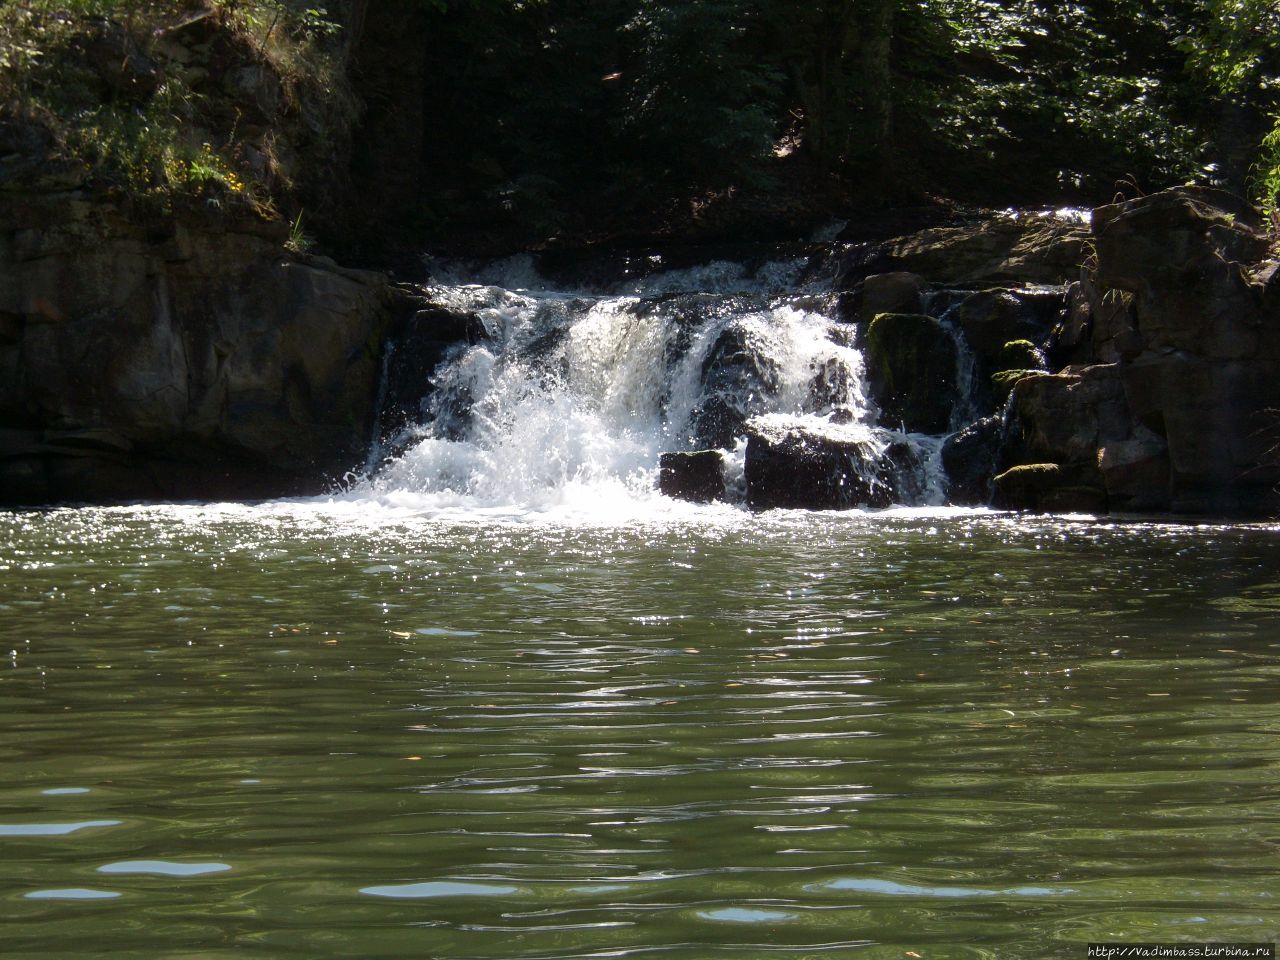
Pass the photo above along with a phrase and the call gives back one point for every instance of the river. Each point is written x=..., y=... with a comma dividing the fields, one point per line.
x=346, y=728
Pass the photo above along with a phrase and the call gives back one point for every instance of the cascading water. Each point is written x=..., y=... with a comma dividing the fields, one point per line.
x=564, y=401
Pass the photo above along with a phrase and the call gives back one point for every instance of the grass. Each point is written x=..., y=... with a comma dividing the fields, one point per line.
x=121, y=99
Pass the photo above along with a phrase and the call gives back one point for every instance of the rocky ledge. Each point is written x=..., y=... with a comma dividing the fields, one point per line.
x=1172, y=399
x=183, y=356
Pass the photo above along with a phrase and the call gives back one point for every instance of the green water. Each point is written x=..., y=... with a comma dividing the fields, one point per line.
x=299, y=731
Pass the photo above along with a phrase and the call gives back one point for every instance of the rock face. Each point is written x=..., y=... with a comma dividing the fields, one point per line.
x=184, y=357
x=1177, y=402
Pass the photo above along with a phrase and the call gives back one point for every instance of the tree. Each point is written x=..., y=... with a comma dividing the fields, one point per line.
x=1239, y=53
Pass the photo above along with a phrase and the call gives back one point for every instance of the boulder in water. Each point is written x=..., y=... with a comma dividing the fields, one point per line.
x=992, y=318
x=697, y=476
x=796, y=466
x=911, y=366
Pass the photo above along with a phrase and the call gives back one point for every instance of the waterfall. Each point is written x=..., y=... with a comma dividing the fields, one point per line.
x=566, y=399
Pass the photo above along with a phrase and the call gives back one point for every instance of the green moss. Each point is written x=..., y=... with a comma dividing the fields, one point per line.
x=1003, y=382
x=1021, y=355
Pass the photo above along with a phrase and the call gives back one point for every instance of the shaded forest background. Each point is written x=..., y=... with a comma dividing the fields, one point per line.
x=489, y=125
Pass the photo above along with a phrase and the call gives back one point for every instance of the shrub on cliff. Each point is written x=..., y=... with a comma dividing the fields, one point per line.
x=169, y=101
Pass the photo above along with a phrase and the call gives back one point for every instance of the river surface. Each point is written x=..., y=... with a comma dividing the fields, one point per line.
x=350, y=729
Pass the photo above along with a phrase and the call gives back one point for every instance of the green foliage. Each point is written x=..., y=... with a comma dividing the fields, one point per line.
x=96, y=77
x=1239, y=55
x=698, y=107
x=299, y=241
x=1267, y=187
x=542, y=114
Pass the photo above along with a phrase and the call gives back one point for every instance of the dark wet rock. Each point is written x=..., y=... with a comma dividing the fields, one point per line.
x=1182, y=415
x=911, y=366
x=1183, y=253
x=829, y=386
x=969, y=458
x=1136, y=471
x=1003, y=382
x=423, y=338
x=1021, y=355
x=697, y=476
x=902, y=473
x=992, y=318
x=1214, y=417
x=1017, y=359
x=736, y=378
x=799, y=468
x=1066, y=417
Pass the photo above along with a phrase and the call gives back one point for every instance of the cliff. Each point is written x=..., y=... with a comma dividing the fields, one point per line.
x=182, y=356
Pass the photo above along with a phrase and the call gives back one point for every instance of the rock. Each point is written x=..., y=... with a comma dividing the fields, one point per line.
x=24, y=481
x=1182, y=254
x=1017, y=359
x=1024, y=249
x=969, y=457
x=1063, y=420
x=120, y=65
x=1072, y=339
x=736, y=377
x=1065, y=417
x=1212, y=416
x=896, y=292
x=1045, y=487
x=1021, y=355
x=696, y=476
x=829, y=387
x=1135, y=472
x=1185, y=312
x=992, y=318
x=233, y=353
x=798, y=467
x=911, y=366
x=256, y=88
x=1003, y=382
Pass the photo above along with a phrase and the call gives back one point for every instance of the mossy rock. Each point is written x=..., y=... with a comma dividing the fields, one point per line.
x=911, y=366
x=1046, y=486
x=1021, y=355
x=1002, y=383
